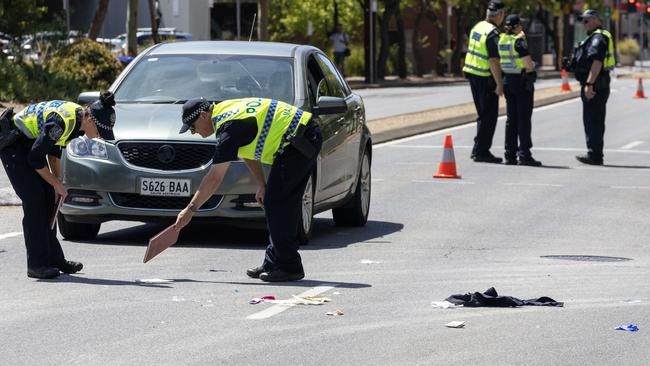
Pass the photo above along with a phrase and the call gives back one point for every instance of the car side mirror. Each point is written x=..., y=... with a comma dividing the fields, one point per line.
x=87, y=98
x=330, y=105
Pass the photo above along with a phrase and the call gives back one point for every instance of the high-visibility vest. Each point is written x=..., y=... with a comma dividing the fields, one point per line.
x=31, y=120
x=510, y=60
x=610, y=60
x=477, y=58
x=276, y=123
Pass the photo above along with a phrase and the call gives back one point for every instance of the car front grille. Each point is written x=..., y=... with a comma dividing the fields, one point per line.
x=166, y=156
x=134, y=200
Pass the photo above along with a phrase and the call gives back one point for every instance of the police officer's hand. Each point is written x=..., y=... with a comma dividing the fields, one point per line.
x=589, y=92
x=259, y=195
x=499, y=90
x=60, y=190
x=184, y=217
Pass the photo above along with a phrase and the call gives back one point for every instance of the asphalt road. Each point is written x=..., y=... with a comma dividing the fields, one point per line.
x=426, y=239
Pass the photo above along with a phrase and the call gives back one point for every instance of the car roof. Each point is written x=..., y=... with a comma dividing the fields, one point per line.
x=273, y=49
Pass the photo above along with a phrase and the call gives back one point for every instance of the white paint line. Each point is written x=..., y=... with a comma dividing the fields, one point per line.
x=534, y=184
x=437, y=181
x=629, y=187
x=277, y=309
x=558, y=149
x=632, y=145
x=455, y=128
x=10, y=235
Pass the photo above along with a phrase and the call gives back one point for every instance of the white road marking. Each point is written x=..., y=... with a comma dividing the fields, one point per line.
x=629, y=187
x=277, y=309
x=534, y=184
x=560, y=149
x=470, y=124
x=437, y=181
x=632, y=145
x=10, y=235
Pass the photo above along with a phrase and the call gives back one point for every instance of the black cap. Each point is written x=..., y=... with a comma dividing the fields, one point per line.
x=588, y=14
x=512, y=20
x=191, y=110
x=495, y=5
x=103, y=114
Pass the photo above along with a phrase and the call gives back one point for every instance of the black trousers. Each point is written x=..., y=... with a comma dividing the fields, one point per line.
x=43, y=247
x=519, y=102
x=487, y=108
x=283, y=203
x=593, y=118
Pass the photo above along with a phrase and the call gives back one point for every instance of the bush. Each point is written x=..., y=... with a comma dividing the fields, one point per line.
x=355, y=63
x=31, y=82
x=89, y=64
x=629, y=47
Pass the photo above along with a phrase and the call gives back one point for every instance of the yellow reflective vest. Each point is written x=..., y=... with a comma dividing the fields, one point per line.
x=510, y=60
x=276, y=123
x=477, y=58
x=610, y=60
x=31, y=120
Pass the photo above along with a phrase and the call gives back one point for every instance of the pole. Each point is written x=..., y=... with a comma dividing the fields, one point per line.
x=66, y=6
x=449, y=38
x=373, y=10
x=238, y=6
x=642, y=18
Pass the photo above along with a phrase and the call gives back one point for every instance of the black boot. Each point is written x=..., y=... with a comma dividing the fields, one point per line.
x=70, y=267
x=255, y=272
x=586, y=159
x=43, y=272
x=529, y=161
x=281, y=276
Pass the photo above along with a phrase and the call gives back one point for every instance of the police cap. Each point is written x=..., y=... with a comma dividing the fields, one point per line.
x=512, y=20
x=495, y=5
x=588, y=14
x=103, y=115
x=191, y=110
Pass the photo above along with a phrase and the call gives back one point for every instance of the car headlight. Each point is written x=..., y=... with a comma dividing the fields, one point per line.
x=83, y=147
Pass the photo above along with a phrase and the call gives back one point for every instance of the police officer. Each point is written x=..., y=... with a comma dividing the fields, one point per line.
x=39, y=133
x=484, y=74
x=519, y=78
x=593, y=60
x=260, y=131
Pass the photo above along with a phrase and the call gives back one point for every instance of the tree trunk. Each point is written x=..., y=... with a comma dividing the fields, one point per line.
x=461, y=25
x=262, y=20
x=384, y=44
x=98, y=20
x=155, y=21
x=401, y=43
x=132, y=28
x=418, y=68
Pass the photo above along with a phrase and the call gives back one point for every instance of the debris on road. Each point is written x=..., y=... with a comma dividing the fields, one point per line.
x=455, y=324
x=153, y=280
x=628, y=327
x=630, y=301
x=297, y=300
x=257, y=300
x=490, y=298
x=178, y=299
x=444, y=305
x=219, y=270
x=336, y=293
x=334, y=313
x=368, y=261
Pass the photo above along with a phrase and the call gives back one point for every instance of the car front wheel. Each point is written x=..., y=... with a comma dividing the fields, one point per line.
x=355, y=212
x=306, y=213
x=77, y=231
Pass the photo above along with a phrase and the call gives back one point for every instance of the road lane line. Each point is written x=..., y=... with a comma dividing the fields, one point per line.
x=632, y=145
x=441, y=181
x=552, y=149
x=534, y=184
x=10, y=235
x=277, y=309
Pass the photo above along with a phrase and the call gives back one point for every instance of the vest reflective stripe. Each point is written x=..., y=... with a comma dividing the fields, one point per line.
x=276, y=121
x=477, y=58
x=31, y=120
x=511, y=62
x=610, y=60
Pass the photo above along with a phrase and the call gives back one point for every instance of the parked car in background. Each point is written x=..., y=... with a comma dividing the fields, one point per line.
x=150, y=171
x=144, y=37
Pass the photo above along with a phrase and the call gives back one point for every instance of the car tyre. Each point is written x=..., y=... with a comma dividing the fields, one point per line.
x=77, y=231
x=307, y=213
x=355, y=211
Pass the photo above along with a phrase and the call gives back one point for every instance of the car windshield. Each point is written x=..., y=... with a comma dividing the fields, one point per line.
x=177, y=78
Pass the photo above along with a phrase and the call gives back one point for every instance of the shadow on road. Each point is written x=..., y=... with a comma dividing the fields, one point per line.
x=325, y=235
x=555, y=167
x=626, y=166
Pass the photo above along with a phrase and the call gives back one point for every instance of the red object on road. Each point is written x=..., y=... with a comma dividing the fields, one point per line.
x=160, y=242
x=447, y=167
x=639, y=90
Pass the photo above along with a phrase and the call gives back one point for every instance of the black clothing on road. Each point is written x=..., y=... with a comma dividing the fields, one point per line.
x=490, y=298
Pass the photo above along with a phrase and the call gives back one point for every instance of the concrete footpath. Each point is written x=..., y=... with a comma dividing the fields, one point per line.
x=394, y=127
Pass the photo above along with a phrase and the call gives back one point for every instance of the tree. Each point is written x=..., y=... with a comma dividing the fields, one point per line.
x=155, y=20
x=392, y=12
x=98, y=20
x=19, y=18
x=132, y=27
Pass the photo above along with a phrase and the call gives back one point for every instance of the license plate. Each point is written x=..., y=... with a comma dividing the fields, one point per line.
x=166, y=187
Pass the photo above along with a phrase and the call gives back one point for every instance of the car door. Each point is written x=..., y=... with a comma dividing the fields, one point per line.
x=348, y=126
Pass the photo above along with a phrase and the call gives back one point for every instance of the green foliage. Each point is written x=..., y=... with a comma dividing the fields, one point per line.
x=87, y=63
x=31, y=82
x=22, y=17
x=629, y=47
x=355, y=64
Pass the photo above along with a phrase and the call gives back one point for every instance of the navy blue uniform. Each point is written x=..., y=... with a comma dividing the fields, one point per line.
x=519, y=98
x=486, y=102
x=20, y=161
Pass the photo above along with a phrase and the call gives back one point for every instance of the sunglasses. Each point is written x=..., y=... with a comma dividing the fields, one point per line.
x=585, y=21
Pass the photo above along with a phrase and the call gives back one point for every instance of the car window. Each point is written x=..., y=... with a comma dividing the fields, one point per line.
x=335, y=83
x=315, y=85
x=175, y=78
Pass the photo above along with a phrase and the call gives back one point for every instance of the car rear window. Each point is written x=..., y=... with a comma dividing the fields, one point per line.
x=176, y=78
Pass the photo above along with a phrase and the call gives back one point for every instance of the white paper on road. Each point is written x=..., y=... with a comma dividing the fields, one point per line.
x=445, y=305
x=278, y=308
x=369, y=261
x=455, y=324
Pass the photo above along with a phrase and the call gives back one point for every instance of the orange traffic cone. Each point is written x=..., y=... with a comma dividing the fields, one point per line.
x=639, y=90
x=565, y=82
x=447, y=167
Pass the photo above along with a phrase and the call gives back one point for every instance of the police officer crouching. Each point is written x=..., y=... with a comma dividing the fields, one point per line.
x=31, y=138
x=484, y=75
x=592, y=61
x=519, y=88
x=260, y=131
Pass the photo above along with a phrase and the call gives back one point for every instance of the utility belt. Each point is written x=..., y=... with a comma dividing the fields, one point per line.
x=303, y=139
x=9, y=134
